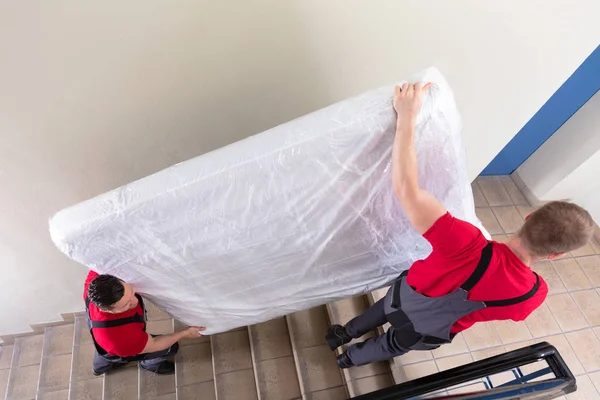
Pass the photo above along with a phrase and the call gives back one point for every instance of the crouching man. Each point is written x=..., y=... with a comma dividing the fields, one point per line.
x=116, y=319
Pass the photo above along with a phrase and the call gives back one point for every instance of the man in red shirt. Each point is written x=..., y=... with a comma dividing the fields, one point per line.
x=116, y=318
x=465, y=279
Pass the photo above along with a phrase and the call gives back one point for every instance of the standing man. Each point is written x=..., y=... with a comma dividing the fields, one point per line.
x=116, y=318
x=465, y=279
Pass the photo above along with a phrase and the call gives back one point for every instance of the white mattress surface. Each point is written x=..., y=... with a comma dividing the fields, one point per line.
x=297, y=216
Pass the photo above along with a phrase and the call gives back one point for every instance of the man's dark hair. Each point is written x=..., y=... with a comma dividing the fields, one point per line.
x=105, y=290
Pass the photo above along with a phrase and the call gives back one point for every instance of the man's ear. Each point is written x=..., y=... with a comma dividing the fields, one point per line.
x=555, y=256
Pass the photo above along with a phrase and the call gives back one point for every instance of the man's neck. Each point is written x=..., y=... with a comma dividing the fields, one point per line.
x=515, y=244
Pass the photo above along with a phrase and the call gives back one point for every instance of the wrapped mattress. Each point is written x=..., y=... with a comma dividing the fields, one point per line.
x=297, y=216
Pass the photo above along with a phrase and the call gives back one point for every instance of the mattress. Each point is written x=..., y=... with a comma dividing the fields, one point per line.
x=292, y=218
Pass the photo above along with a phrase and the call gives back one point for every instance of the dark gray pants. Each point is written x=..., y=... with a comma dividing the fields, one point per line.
x=149, y=361
x=378, y=348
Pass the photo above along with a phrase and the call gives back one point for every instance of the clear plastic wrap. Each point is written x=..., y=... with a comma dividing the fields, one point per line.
x=295, y=217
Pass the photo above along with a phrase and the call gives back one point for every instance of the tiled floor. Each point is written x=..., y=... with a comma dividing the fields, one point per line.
x=570, y=317
x=288, y=359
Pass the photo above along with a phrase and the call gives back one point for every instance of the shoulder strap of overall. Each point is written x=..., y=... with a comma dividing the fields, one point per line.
x=518, y=299
x=482, y=266
x=118, y=322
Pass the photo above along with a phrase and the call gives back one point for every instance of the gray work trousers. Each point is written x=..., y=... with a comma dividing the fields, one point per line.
x=149, y=361
x=378, y=348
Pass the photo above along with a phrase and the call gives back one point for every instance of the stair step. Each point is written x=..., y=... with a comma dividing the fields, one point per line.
x=232, y=361
x=366, y=378
x=194, y=369
x=6, y=355
x=25, y=367
x=90, y=389
x=57, y=354
x=152, y=385
x=319, y=376
x=273, y=359
x=58, y=395
x=122, y=383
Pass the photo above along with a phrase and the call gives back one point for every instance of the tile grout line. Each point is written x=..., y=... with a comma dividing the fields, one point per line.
x=253, y=359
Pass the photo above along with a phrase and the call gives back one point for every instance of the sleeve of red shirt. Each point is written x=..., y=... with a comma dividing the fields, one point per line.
x=533, y=303
x=121, y=340
x=451, y=237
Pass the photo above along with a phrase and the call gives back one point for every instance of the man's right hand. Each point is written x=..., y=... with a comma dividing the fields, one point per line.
x=194, y=332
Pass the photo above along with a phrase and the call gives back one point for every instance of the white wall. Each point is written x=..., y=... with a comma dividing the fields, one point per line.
x=567, y=165
x=96, y=94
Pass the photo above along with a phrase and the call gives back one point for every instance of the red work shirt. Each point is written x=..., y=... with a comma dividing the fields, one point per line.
x=125, y=340
x=457, y=247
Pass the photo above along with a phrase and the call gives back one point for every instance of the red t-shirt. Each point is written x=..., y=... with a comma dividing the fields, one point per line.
x=125, y=340
x=457, y=247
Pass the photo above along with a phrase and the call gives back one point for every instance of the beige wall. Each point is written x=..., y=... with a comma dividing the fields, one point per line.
x=96, y=94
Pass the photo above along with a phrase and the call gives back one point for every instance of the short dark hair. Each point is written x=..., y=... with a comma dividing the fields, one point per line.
x=105, y=290
x=557, y=227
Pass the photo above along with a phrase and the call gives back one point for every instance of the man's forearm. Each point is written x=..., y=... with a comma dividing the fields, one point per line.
x=405, y=174
x=163, y=342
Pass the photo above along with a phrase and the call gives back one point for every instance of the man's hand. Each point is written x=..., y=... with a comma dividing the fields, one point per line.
x=193, y=332
x=408, y=100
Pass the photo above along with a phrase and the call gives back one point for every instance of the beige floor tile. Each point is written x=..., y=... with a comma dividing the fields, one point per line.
x=547, y=271
x=571, y=274
x=512, y=332
x=482, y=335
x=83, y=356
x=23, y=383
x=489, y=221
x=371, y=384
x=4, y=375
x=237, y=385
x=509, y=218
x=30, y=350
x=585, y=390
x=121, y=384
x=519, y=345
x=591, y=267
x=587, y=348
x=179, y=326
x=566, y=312
x=203, y=391
x=194, y=364
x=59, y=340
x=154, y=313
x=595, y=243
x=525, y=211
x=270, y=340
x=342, y=311
x=161, y=327
x=566, y=351
x=513, y=191
x=277, y=379
x=58, y=395
x=458, y=346
x=500, y=238
x=90, y=389
x=478, y=196
x=153, y=385
x=588, y=302
x=338, y=393
x=55, y=373
x=318, y=369
x=453, y=361
x=231, y=352
x=413, y=371
x=82, y=333
x=6, y=355
x=494, y=191
x=372, y=369
x=487, y=353
x=595, y=378
x=308, y=327
x=541, y=322
x=413, y=357
x=586, y=250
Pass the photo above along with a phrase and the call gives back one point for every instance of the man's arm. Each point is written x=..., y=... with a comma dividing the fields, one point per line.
x=163, y=342
x=421, y=208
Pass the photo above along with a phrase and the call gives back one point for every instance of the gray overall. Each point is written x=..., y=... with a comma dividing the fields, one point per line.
x=104, y=362
x=419, y=322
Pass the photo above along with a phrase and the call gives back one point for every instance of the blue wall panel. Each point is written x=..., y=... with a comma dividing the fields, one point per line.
x=574, y=93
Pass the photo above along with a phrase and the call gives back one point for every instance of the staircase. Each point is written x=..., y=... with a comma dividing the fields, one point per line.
x=286, y=358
